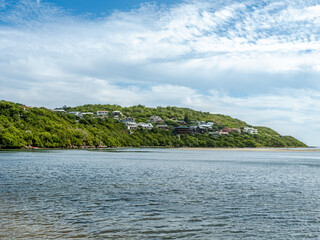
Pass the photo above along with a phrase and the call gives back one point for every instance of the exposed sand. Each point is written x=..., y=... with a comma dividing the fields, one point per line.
x=256, y=149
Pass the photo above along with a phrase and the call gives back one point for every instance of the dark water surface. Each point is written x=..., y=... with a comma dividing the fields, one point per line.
x=159, y=194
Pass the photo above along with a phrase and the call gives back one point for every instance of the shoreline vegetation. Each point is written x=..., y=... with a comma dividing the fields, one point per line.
x=112, y=126
x=256, y=149
x=262, y=149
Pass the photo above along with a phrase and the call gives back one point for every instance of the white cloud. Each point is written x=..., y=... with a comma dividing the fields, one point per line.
x=232, y=57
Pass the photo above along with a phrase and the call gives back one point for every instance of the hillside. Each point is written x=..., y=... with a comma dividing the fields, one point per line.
x=22, y=126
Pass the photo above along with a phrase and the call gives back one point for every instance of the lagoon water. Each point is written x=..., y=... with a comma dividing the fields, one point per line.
x=159, y=194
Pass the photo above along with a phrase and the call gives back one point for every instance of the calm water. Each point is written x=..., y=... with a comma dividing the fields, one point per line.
x=159, y=194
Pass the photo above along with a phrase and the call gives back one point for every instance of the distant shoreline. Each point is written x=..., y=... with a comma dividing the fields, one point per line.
x=254, y=149
x=308, y=149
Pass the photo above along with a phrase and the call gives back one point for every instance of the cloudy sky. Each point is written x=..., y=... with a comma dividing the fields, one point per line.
x=258, y=61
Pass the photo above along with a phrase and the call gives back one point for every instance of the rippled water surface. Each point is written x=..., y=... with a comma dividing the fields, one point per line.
x=159, y=194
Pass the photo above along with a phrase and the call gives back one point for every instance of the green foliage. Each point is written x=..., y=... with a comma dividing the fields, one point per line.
x=40, y=127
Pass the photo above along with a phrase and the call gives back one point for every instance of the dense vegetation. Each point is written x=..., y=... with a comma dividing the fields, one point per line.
x=41, y=127
x=142, y=113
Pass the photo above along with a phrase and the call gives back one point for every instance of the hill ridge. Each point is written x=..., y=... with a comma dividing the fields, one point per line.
x=22, y=127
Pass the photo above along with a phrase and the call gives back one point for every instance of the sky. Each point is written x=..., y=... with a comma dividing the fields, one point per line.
x=258, y=61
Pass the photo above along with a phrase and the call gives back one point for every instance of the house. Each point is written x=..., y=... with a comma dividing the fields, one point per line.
x=24, y=107
x=127, y=121
x=223, y=133
x=197, y=129
x=218, y=133
x=156, y=119
x=148, y=126
x=199, y=122
x=228, y=130
x=59, y=110
x=102, y=113
x=250, y=130
x=131, y=125
x=236, y=130
x=77, y=114
x=182, y=130
x=130, y=119
x=181, y=122
x=163, y=127
x=205, y=125
x=116, y=113
x=87, y=113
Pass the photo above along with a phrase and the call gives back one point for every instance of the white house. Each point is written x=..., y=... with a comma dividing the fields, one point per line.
x=250, y=130
x=204, y=124
x=77, y=114
x=102, y=113
x=148, y=126
x=56, y=110
x=87, y=113
x=132, y=125
x=116, y=113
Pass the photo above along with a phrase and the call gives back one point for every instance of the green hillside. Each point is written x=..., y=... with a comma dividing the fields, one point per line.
x=22, y=126
x=142, y=113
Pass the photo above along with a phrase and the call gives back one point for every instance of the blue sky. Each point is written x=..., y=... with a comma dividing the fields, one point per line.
x=257, y=61
x=98, y=8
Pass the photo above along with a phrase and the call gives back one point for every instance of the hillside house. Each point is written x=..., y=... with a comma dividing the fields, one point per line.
x=148, y=126
x=250, y=130
x=131, y=125
x=77, y=114
x=199, y=122
x=87, y=113
x=57, y=110
x=207, y=126
x=236, y=130
x=223, y=133
x=182, y=130
x=130, y=119
x=163, y=127
x=156, y=119
x=228, y=130
x=127, y=121
x=197, y=129
x=116, y=113
x=218, y=133
x=102, y=113
x=25, y=108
